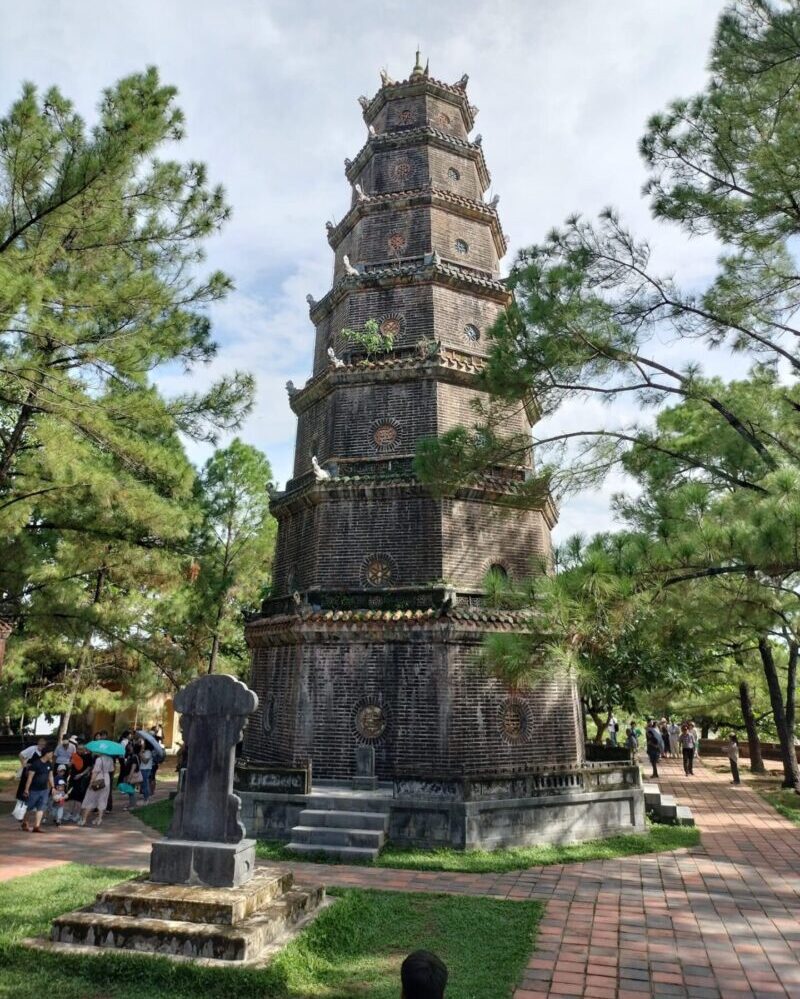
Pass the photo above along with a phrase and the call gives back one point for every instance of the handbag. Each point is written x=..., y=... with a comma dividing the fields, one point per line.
x=98, y=784
x=20, y=808
x=135, y=778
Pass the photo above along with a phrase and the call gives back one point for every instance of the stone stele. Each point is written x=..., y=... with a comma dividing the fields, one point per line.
x=206, y=844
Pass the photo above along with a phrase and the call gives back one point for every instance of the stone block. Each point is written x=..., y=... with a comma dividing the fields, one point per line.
x=193, y=862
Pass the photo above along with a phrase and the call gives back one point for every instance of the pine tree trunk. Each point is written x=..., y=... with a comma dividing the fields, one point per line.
x=791, y=689
x=756, y=760
x=791, y=768
x=212, y=659
x=86, y=654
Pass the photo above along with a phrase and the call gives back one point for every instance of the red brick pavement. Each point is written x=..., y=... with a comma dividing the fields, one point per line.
x=718, y=922
x=121, y=841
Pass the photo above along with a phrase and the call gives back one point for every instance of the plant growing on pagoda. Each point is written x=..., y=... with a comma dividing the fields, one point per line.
x=370, y=339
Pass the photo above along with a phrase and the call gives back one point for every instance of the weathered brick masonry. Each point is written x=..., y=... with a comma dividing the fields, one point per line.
x=376, y=623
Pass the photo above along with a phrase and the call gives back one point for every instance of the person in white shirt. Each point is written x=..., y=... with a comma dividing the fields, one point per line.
x=674, y=731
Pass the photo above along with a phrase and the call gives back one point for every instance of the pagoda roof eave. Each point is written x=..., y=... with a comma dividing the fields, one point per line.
x=310, y=492
x=447, y=365
x=424, y=270
x=453, y=93
x=437, y=197
x=434, y=136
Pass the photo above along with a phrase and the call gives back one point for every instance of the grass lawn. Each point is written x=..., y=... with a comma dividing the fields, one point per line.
x=658, y=838
x=9, y=765
x=353, y=949
x=784, y=801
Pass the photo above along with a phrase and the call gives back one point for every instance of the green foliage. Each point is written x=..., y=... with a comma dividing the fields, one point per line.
x=234, y=544
x=702, y=583
x=353, y=947
x=101, y=287
x=370, y=339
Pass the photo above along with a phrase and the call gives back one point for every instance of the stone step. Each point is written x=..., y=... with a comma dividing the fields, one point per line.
x=222, y=906
x=667, y=807
x=182, y=938
x=342, y=819
x=652, y=795
x=324, y=836
x=684, y=816
x=346, y=853
x=347, y=803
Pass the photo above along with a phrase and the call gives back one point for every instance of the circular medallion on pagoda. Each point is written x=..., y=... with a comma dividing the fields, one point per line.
x=405, y=116
x=443, y=119
x=377, y=571
x=396, y=242
x=453, y=174
x=462, y=246
x=391, y=326
x=369, y=720
x=385, y=435
x=515, y=721
x=471, y=332
x=401, y=169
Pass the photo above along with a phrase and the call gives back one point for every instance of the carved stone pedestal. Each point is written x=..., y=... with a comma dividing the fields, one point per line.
x=190, y=862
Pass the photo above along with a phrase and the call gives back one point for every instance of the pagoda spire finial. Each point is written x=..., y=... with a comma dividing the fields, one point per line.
x=417, y=70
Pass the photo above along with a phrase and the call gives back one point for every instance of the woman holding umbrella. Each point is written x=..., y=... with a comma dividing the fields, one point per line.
x=100, y=782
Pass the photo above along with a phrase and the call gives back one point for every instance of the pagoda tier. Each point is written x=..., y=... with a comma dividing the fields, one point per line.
x=417, y=253
x=372, y=634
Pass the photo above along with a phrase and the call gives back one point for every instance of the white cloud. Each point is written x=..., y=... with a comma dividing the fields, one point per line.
x=269, y=90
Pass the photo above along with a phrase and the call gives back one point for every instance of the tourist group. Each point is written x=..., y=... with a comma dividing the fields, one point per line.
x=72, y=781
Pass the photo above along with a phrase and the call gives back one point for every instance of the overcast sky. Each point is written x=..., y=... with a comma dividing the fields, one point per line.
x=269, y=90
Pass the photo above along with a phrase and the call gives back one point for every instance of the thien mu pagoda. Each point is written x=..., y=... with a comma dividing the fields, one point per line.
x=375, y=713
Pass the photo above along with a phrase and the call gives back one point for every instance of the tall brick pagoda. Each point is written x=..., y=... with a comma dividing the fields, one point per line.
x=372, y=635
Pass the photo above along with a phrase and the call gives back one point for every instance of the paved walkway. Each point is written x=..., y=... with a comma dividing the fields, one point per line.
x=121, y=841
x=718, y=922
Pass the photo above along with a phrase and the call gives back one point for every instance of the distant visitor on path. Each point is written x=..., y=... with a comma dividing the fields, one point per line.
x=423, y=976
x=654, y=744
x=674, y=731
x=731, y=750
x=38, y=785
x=99, y=787
x=687, y=742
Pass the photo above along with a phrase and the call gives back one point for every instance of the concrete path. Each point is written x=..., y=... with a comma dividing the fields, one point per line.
x=718, y=922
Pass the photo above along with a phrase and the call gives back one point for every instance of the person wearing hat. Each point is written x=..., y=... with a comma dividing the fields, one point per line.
x=59, y=794
x=64, y=751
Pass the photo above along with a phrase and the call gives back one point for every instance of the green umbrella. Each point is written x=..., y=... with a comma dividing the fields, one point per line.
x=105, y=747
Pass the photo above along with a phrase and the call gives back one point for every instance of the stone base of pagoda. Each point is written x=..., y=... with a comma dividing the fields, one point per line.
x=590, y=802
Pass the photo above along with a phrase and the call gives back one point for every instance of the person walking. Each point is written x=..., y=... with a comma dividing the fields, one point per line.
x=654, y=745
x=631, y=741
x=38, y=786
x=674, y=732
x=145, y=754
x=696, y=736
x=96, y=797
x=130, y=775
x=663, y=728
x=731, y=750
x=59, y=795
x=79, y=775
x=613, y=730
x=63, y=754
x=687, y=748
